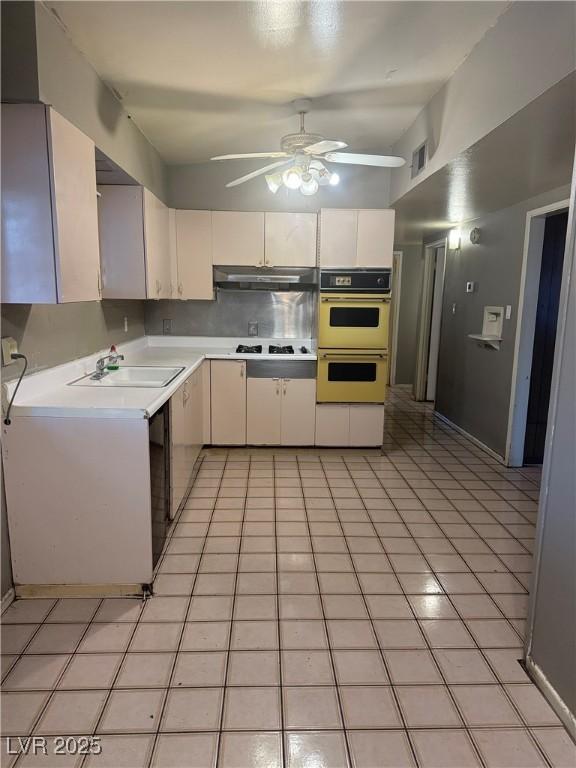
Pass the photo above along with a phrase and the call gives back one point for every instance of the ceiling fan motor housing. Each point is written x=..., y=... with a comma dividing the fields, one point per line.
x=297, y=142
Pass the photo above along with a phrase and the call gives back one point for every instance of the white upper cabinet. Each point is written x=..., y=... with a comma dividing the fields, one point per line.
x=157, y=242
x=121, y=242
x=193, y=250
x=338, y=237
x=290, y=239
x=356, y=238
x=375, y=244
x=135, y=247
x=238, y=238
x=49, y=211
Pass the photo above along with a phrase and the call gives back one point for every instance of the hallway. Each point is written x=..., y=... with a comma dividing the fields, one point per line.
x=314, y=609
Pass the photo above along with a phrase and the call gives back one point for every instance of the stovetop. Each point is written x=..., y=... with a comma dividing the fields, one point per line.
x=273, y=349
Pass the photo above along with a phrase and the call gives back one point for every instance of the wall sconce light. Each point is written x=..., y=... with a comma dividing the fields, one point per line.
x=454, y=238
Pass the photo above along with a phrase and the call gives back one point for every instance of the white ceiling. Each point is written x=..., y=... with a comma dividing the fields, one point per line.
x=204, y=78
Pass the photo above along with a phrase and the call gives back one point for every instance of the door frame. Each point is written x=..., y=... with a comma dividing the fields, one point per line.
x=395, y=314
x=525, y=329
x=426, y=298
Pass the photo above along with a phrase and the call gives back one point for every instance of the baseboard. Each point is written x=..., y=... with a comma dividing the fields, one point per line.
x=79, y=590
x=468, y=436
x=7, y=599
x=551, y=695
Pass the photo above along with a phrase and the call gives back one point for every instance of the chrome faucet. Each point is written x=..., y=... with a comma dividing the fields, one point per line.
x=101, y=365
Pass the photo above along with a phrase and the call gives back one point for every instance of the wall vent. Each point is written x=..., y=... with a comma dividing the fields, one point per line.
x=419, y=159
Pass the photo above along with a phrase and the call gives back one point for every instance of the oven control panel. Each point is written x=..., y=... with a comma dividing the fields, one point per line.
x=356, y=280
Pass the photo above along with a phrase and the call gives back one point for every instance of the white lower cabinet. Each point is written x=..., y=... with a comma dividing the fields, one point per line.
x=264, y=407
x=298, y=417
x=186, y=429
x=349, y=424
x=280, y=411
x=228, y=402
x=332, y=424
x=366, y=425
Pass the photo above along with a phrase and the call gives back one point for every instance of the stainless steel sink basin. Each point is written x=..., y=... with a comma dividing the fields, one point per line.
x=131, y=376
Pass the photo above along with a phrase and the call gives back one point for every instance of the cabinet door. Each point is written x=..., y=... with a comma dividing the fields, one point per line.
x=366, y=425
x=178, y=441
x=375, y=238
x=228, y=402
x=193, y=406
x=122, y=261
x=298, y=411
x=290, y=239
x=194, y=254
x=338, y=237
x=75, y=211
x=333, y=424
x=238, y=238
x=157, y=242
x=263, y=399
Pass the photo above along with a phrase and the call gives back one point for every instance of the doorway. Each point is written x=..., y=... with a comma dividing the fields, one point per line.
x=430, y=321
x=541, y=281
x=545, y=336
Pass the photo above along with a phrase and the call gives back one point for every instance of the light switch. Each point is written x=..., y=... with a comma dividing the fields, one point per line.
x=508, y=311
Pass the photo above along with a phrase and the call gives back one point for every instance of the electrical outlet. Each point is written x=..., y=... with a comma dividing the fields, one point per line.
x=166, y=326
x=252, y=328
x=508, y=314
x=470, y=286
x=9, y=348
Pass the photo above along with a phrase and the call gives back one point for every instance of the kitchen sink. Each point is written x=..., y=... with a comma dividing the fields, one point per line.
x=131, y=376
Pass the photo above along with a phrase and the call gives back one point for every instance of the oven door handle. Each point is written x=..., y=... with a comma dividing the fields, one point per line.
x=360, y=355
x=335, y=299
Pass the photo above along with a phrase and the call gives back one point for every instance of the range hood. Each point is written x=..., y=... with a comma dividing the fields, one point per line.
x=266, y=278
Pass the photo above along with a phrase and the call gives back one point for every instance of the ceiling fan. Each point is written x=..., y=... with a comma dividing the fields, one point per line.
x=302, y=155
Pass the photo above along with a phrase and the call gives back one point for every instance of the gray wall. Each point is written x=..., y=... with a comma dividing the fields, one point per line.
x=53, y=334
x=281, y=314
x=411, y=287
x=553, y=615
x=473, y=388
x=203, y=187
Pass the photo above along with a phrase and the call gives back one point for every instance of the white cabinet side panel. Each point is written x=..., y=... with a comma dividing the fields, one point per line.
x=28, y=272
x=78, y=500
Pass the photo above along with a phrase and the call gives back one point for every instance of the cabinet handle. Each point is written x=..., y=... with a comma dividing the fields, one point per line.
x=180, y=289
x=158, y=286
x=99, y=283
x=242, y=369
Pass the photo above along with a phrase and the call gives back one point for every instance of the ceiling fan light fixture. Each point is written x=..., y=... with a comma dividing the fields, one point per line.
x=274, y=181
x=309, y=187
x=334, y=179
x=292, y=177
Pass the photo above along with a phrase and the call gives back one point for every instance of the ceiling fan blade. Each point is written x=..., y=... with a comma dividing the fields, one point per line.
x=259, y=172
x=326, y=145
x=352, y=158
x=249, y=155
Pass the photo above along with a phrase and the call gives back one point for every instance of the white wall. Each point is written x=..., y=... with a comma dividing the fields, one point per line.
x=530, y=48
x=69, y=83
x=202, y=186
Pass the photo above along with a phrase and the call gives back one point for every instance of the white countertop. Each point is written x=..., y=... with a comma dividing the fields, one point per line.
x=47, y=393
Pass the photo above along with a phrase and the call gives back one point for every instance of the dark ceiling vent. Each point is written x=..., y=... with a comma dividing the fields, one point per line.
x=419, y=159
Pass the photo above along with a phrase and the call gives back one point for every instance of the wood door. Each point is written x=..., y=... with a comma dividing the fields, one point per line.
x=545, y=336
x=238, y=238
x=157, y=244
x=28, y=274
x=74, y=210
x=298, y=411
x=194, y=254
x=338, y=237
x=333, y=424
x=290, y=239
x=375, y=238
x=366, y=425
x=263, y=405
x=121, y=229
x=228, y=401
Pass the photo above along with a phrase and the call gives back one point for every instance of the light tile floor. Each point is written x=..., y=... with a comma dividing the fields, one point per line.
x=314, y=609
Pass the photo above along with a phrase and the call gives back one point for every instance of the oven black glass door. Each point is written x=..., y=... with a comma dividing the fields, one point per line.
x=354, y=317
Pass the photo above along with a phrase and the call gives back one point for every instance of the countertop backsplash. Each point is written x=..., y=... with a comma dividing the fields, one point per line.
x=279, y=315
